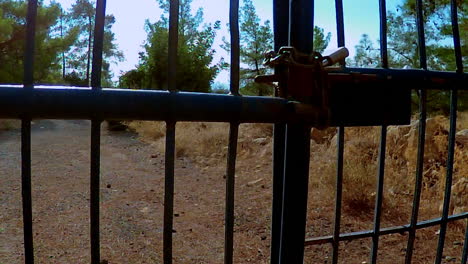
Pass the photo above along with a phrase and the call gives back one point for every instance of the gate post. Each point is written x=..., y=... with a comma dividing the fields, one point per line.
x=297, y=141
x=281, y=35
x=295, y=190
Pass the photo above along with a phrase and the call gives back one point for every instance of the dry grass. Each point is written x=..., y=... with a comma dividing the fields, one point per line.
x=206, y=143
x=132, y=202
x=360, y=167
x=9, y=124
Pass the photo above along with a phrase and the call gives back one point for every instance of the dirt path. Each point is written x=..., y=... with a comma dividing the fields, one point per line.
x=132, y=191
x=131, y=199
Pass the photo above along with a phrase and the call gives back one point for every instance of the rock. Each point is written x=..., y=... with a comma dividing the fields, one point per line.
x=252, y=183
x=462, y=137
x=322, y=136
x=458, y=199
x=436, y=139
x=450, y=259
x=116, y=125
x=463, y=132
x=261, y=141
x=460, y=196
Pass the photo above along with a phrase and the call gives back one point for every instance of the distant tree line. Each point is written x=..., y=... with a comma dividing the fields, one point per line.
x=64, y=43
x=196, y=68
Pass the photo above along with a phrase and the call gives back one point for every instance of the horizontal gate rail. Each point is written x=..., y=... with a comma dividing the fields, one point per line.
x=383, y=231
x=79, y=103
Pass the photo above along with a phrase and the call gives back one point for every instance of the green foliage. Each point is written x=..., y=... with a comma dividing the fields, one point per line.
x=402, y=37
x=48, y=45
x=403, y=48
x=255, y=40
x=220, y=88
x=320, y=40
x=133, y=79
x=195, y=71
x=78, y=59
x=63, y=40
x=366, y=54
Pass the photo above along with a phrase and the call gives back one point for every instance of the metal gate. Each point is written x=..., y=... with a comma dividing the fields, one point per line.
x=345, y=102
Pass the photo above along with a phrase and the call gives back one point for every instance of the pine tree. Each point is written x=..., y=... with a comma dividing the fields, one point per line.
x=82, y=15
x=49, y=43
x=195, y=71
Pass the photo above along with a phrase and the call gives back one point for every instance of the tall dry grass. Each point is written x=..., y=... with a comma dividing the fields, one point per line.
x=206, y=143
x=202, y=140
x=361, y=161
x=9, y=124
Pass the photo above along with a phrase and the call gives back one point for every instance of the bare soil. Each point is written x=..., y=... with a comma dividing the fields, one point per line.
x=132, y=189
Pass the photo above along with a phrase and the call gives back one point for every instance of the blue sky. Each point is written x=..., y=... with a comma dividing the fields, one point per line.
x=361, y=16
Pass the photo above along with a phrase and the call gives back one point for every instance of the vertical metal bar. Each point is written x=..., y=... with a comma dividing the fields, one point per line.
x=279, y=138
x=465, y=247
x=340, y=145
x=301, y=25
x=173, y=44
x=448, y=177
x=230, y=184
x=281, y=23
x=379, y=197
x=296, y=180
x=340, y=26
x=421, y=135
x=419, y=175
x=421, y=35
x=453, y=113
x=26, y=189
x=233, y=134
x=383, y=33
x=456, y=36
x=98, y=44
x=340, y=23
x=235, y=46
x=281, y=35
x=96, y=132
x=297, y=152
x=28, y=78
x=28, y=83
x=338, y=194
x=169, y=192
x=170, y=134
x=94, y=190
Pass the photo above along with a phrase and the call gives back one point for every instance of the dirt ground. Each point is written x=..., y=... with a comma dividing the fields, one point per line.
x=132, y=188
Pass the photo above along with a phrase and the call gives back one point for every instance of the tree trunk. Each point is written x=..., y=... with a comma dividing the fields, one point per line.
x=257, y=70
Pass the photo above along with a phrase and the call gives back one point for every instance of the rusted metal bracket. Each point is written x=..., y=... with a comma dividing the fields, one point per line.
x=333, y=95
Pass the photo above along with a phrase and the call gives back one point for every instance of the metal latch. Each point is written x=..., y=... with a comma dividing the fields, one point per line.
x=305, y=77
x=337, y=96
